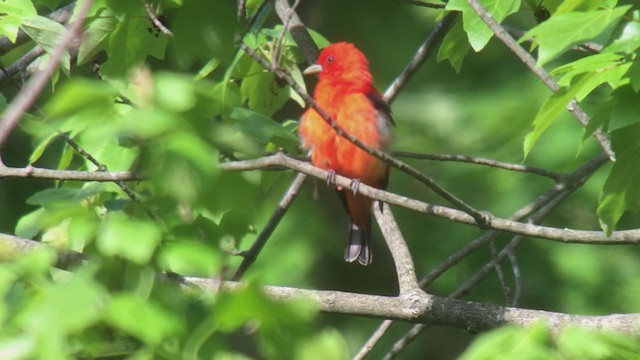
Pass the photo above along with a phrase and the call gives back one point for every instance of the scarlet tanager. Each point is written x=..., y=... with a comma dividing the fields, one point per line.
x=345, y=92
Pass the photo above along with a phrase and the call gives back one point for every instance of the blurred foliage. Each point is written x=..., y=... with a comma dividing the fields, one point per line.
x=174, y=108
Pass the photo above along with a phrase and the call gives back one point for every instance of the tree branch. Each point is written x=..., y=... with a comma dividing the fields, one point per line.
x=481, y=161
x=433, y=310
x=407, y=280
x=556, y=234
x=40, y=173
x=251, y=255
x=419, y=307
x=573, y=107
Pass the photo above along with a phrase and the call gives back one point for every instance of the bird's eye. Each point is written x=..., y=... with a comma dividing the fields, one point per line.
x=330, y=59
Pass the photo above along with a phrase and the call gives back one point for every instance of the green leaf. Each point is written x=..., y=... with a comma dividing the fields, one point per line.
x=627, y=36
x=97, y=30
x=130, y=44
x=625, y=112
x=578, y=343
x=81, y=95
x=477, y=31
x=30, y=225
x=62, y=195
x=142, y=319
x=40, y=148
x=454, y=47
x=263, y=91
x=12, y=13
x=551, y=108
x=67, y=307
x=190, y=258
x=264, y=129
x=174, y=92
x=620, y=192
x=553, y=39
x=634, y=76
x=47, y=33
x=203, y=30
x=596, y=62
x=512, y=342
x=208, y=68
x=599, y=119
x=582, y=5
x=134, y=240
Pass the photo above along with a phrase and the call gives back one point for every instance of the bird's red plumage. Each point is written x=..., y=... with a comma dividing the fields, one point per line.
x=345, y=91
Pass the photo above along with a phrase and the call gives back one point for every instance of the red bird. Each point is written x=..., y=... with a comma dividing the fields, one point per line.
x=345, y=91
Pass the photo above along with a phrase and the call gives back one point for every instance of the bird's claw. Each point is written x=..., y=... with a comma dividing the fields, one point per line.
x=331, y=177
x=355, y=184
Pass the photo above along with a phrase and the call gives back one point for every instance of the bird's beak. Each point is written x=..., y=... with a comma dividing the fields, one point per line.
x=313, y=69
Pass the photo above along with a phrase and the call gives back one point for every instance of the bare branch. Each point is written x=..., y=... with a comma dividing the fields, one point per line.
x=21, y=64
x=32, y=89
x=526, y=58
x=432, y=310
x=154, y=18
x=251, y=255
x=481, y=161
x=13, y=246
x=40, y=173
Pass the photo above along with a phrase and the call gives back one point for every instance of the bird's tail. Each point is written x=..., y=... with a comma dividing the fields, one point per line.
x=359, y=247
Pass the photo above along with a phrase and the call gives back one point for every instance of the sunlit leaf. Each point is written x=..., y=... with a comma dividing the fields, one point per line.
x=553, y=40
x=477, y=31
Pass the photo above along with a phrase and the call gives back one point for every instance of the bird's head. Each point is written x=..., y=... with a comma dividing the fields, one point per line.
x=342, y=62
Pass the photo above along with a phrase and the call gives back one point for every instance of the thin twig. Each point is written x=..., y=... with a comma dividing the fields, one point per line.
x=481, y=218
x=528, y=59
x=278, y=47
x=422, y=3
x=481, y=161
x=21, y=64
x=497, y=267
x=421, y=55
x=251, y=254
x=517, y=279
x=154, y=18
x=298, y=31
x=32, y=89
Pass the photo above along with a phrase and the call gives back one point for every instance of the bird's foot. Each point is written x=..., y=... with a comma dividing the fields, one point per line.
x=355, y=184
x=331, y=177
